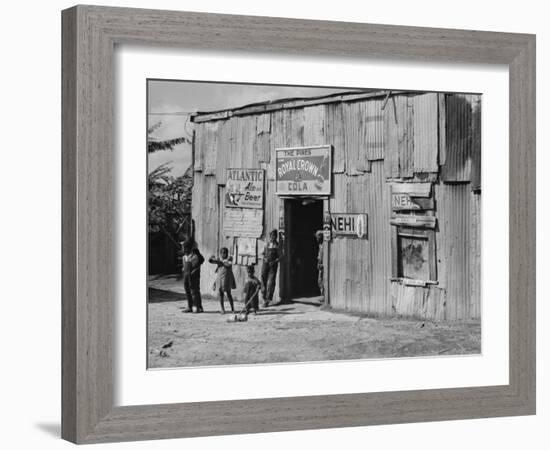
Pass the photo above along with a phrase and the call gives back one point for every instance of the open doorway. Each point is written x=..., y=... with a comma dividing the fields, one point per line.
x=303, y=217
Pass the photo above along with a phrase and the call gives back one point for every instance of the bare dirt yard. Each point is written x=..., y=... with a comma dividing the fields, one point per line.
x=295, y=332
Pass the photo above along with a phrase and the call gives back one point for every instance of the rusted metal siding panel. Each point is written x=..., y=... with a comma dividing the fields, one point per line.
x=453, y=247
x=405, y=135
x=375, y=136
x=441, y=129
x=379, y=236
x=475, y=256
x=263, y=138
x=294, y=127
x=205, y=214
x=209, y=147
x=314, y=126
x=427, y=302
x=278, y=140
x=476, y=143
x=334, y=130
x=338, y=247
x=235, y=153
x=359, y=275
x=425, y=124
x=198, y=148
x=271, y=222
x=458, y=132
x=223, y=150
x=354, y=139
x=246, y=142
x=391, y=149
x=435, y=304
x=362, y=287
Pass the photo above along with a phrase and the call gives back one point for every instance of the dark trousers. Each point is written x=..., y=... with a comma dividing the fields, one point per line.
x=253, y=304
x=192, y=292
x=269, y=274
x=320, y=280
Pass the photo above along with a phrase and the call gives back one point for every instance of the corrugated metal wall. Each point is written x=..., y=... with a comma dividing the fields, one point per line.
x=375, y=141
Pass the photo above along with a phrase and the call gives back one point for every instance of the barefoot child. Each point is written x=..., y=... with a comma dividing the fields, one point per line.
x=251, y=291
x=225, y=281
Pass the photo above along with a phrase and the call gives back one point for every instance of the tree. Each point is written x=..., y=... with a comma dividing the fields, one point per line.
x=169, y=197
x=155, y=145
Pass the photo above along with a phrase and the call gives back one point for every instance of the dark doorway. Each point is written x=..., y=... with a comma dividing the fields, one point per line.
x=303, y=217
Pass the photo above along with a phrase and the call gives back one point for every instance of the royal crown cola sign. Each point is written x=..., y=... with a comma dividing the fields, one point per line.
x=303, y=171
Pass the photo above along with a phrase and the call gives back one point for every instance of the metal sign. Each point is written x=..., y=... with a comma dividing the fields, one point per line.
x=327, y=234
x=349, y=225
x=243, y=222
x=303, y=170
x=244, y=188
x=404, y=202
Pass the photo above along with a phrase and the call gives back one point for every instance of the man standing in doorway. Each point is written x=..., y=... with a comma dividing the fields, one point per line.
x=272, y=255
x=320, y=267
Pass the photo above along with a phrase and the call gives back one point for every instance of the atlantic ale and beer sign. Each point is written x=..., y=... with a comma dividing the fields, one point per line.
x=303, y=170
x=244, y=188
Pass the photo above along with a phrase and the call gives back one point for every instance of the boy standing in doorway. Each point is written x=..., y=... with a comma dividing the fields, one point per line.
x=320, y=267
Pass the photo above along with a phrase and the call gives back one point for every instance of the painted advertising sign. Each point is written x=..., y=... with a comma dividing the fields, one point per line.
x=244, y=188
x=327, y=235
x=303, y=171
x=404, y=202
x=243, y=222
x=349, y=225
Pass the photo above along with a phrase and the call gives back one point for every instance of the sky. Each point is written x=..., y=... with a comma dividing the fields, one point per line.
x=183, y=97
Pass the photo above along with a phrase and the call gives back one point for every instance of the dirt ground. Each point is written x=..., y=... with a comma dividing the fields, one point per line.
x=296, y=332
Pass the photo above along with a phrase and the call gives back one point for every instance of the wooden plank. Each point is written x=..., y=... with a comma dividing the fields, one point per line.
x=404, y=202
x=413, y=221
x=394, y=253
x=413, y=189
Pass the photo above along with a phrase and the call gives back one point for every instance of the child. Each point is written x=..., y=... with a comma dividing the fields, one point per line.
x=251, y=291
x=225, y=281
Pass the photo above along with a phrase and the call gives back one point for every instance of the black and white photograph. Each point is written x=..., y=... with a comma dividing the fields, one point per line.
x=299, y=224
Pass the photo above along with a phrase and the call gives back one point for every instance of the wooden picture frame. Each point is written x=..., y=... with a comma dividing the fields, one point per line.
x=89, y=37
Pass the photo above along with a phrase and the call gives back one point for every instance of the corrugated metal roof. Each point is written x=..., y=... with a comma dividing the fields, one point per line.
x=289, y=103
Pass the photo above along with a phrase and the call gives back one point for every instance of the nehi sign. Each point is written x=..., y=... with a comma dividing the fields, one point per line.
x=349, y=225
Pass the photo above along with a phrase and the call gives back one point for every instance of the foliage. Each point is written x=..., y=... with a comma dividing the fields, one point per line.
x=169, y=197
x=155, y=145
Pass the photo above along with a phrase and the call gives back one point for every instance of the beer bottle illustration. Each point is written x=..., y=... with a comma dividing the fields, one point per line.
x=320, y=180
